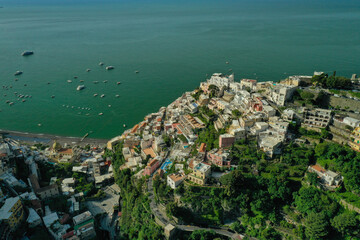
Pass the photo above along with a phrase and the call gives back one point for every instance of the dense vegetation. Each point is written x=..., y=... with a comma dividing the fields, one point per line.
x=257, y=196
x=137, y=221
x=266, y=199
x=333, y=81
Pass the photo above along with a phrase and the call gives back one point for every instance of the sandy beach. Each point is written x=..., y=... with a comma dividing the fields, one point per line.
x=47, y=139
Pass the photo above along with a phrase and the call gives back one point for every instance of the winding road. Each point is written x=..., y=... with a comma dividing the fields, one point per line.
x=190, y=228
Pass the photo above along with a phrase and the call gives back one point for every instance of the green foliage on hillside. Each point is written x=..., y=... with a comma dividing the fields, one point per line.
x=137, y=221
x=333, y=81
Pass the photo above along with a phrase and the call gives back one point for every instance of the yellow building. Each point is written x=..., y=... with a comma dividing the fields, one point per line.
x=355, y=139
x=12, y=212
x=200, y=173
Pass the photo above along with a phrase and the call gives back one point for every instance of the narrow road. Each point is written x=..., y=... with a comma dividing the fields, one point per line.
x=188, y=228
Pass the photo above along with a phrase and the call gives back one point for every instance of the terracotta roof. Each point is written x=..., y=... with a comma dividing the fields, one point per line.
x=318, y=168
x=191, y=164
x=68, y=235
x=152, y=162
x=149, y=151
x=176, y=177
x=202, y=147
x=135, y=128
x=65, y=151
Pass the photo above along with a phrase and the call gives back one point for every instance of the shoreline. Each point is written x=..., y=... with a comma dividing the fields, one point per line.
x=47, y=139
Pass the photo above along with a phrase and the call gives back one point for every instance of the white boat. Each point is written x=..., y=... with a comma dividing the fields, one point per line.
x=17, y=73
x=109, y=105
x=69, y=81
x=105, y=81
x=124, y=125
x=117, y=95
x=88, y=70
x=96, y=82
x=100, y=114
x=102, y=95
x=101, y=63
x=95, y=94
x=80, y=87
x=136, y=71
x=118, y=83
x=109, y=67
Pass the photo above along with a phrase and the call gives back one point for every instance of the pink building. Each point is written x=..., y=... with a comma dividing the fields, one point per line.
x=151, y=167
x=219, y=158
x=226, y=140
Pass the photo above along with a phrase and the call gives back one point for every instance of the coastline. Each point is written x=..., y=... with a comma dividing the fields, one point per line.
x=47, y=139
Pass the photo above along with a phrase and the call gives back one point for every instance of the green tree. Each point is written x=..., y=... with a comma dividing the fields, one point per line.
x=316, y=226
x=347, y=224
x=270, y=234
x=307, y=96
x=313, y=178
x=233, y=181
x=202, y=235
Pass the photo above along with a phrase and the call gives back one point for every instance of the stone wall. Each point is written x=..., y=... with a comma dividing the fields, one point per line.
x=349, y=206
x=345, y=102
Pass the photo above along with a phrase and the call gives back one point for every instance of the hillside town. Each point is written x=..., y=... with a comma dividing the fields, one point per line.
x=199, y=141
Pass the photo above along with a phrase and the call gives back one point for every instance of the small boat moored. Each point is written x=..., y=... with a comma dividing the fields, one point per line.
x=80, y=87
x=17, y=73
x=27, y=53
x=109, y=67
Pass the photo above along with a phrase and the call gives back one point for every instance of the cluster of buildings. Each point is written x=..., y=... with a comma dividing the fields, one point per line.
x=27, y=202
x=245, y=110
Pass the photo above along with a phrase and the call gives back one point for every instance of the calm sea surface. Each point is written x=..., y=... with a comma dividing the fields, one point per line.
x=173, y=45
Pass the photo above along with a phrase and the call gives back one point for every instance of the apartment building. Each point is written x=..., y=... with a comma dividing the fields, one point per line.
x=317, y=118
x=355, y=139
x=200, y=174
x=219, y=158
x=12, y=213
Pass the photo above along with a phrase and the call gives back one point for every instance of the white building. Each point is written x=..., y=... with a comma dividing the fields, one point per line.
x=351, y=122
x=175, y=179
x=328, y=177
x=281, y=93
x=220, y=80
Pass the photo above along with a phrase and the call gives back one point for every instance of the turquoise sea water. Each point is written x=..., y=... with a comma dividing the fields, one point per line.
x=173, y=45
